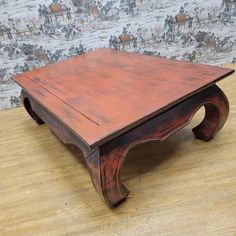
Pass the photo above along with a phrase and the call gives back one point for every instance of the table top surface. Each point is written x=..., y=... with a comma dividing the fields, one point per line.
x=104, y=93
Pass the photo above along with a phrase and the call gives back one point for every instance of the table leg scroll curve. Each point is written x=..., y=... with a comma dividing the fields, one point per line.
x=26, y=103
x=106, y=162
x=216, y=114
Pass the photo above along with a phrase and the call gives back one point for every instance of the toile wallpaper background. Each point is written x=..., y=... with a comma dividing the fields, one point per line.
x=37, y=32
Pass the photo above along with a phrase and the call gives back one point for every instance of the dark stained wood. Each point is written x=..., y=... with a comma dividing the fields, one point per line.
x=106, y=163
x=105, y=93
x=66, y=135
x=69, y=117
x=106, y=102
x=28, y=106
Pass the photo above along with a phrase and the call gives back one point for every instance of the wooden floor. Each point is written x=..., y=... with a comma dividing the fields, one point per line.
x=182, y=186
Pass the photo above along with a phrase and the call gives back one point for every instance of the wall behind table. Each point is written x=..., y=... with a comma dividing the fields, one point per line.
x=37, y=32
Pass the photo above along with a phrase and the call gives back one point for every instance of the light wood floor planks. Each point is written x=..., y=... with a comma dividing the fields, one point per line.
x=182, y=186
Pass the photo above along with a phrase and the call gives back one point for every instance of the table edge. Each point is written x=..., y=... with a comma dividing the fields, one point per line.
x=132, y=125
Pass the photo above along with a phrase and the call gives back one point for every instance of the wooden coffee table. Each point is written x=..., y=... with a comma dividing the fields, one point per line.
x=107, y=101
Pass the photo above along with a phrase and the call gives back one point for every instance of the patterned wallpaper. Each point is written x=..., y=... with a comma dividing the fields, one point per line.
x=37, y=32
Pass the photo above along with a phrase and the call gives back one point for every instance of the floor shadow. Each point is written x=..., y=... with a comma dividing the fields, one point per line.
x=144, y=157
x=77, y=153
x=147, y=156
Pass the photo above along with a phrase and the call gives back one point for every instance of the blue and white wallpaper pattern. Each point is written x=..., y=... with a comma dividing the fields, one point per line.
x=37, y=32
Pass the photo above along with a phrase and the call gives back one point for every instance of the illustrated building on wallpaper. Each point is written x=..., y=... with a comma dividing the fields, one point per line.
x=181, y=21
x=5, y=33
x=57, y=12
x=124, y=40
x=26, y=28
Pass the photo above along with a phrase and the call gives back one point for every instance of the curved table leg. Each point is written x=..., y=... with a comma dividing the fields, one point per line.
x=106, y=162
x=105, y=165
x=26, y=102
x=216, y=114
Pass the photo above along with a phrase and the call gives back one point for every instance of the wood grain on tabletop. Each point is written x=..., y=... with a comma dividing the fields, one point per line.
x=101, y=90
x=181, y=186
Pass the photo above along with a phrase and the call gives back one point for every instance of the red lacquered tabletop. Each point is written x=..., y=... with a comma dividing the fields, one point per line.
x=104, y=93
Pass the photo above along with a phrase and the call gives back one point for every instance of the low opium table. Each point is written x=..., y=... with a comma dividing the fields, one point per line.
x=107, y=101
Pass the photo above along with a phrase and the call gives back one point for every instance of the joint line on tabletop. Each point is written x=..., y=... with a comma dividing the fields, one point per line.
x=66, y=103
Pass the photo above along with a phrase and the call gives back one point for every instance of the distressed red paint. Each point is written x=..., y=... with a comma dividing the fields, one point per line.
x=106, y=102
